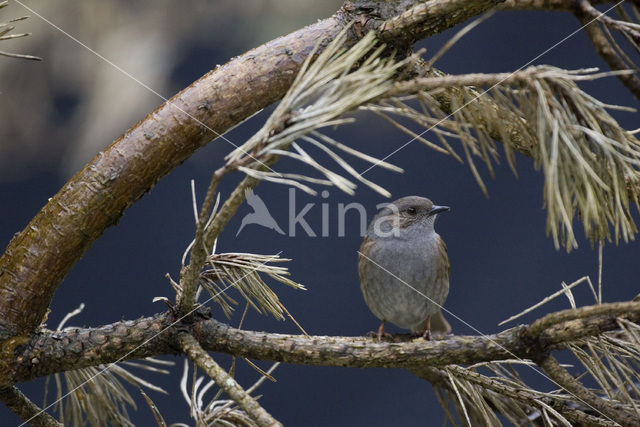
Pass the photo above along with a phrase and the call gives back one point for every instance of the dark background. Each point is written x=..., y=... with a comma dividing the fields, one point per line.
x=501, y=259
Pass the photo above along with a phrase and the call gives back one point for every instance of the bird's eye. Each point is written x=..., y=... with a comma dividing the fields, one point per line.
x=411, y=210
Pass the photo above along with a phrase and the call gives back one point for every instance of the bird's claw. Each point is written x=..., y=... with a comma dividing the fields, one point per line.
x=384, y=337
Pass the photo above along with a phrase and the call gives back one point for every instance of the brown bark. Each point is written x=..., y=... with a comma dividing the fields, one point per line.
x=77, y=348
x=587, y=15
x=226, y=382
x=25, y=409
x=561, y=377
x=38, y=258
x=438, y=377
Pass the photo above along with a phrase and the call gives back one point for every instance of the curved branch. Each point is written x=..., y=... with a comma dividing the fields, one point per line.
x=428, y=18
x=25, y=409
x=507, y=130
x=559, y=5
x=577, y=320
x=37, y=259
x=153, y=336
x=585, y=13
x=628, y=30
x=77, y=348
x=557, y=373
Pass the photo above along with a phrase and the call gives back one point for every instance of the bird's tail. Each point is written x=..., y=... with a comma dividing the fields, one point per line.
x=439, y=324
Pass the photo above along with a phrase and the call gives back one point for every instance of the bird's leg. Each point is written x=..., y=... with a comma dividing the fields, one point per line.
x=381, y=331
x=427, y=329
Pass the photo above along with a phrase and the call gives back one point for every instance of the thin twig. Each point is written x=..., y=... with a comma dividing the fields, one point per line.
x=200, y=357
x=564, y=290
x=190, y=274
x=529, y=397
x=229, y=208
x=20, y=56
x=25, y=409
x=600, y=250
x=604, y=48
x=557, y=373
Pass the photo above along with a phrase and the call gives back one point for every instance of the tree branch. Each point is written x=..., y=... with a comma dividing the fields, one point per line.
x=438, y=378
x=37, y=259
x=560, y=376
x=509, y=128
x=190, y=274
x=558, y=5
x=586, y=14
x=426, y=19
x=540, y=5
x=26, y=409
x=52, y=352
x=576, y=322
x=199, y=356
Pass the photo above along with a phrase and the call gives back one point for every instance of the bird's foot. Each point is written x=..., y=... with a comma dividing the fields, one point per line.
x=426, y=334
x=385, y=336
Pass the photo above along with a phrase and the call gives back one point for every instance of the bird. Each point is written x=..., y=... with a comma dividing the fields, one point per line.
x=403, y=267
x=260, y=214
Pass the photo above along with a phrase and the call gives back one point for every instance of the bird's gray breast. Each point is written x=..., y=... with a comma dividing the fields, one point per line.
x=403, y=282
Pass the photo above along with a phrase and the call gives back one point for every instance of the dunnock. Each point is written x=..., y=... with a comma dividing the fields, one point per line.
x=404, y=267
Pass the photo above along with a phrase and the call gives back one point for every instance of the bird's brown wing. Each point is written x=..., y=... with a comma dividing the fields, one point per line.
x=439, y=324
x=363, y=262
x=442, y=269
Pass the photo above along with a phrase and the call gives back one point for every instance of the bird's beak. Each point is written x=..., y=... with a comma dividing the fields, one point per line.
x=435, y=209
